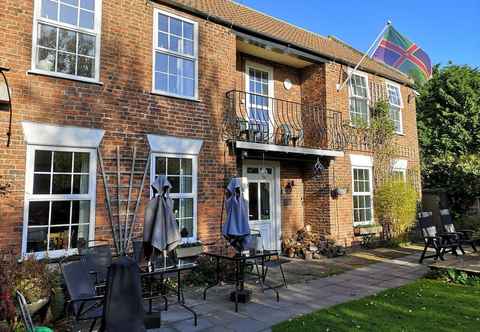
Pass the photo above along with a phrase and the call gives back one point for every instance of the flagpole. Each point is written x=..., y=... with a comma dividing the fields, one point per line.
x=375, y=42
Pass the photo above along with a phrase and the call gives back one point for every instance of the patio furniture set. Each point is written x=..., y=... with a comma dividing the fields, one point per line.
x=116, y=290
x=448, y=240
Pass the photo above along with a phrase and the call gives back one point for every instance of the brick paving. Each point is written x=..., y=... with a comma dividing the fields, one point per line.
x=217, y=313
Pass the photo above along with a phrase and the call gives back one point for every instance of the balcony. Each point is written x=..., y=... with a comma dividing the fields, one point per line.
x=258, y=119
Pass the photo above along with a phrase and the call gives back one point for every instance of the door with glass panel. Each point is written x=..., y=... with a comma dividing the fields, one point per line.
x=181, y=173
x=259, y=87
x=261, y=203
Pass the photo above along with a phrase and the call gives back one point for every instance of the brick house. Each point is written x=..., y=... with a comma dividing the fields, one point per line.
x=211, y=89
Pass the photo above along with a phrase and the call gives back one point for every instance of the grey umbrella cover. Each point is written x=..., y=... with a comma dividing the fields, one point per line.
x=160, y=227
x=236, y=223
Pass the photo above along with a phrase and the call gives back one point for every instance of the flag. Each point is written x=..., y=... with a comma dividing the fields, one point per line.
x=399, y=52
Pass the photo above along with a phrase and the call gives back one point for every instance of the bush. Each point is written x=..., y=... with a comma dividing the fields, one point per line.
x=468, y=222
x=395, y=207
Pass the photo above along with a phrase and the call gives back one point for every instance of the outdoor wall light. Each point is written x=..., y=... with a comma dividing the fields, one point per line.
x=289, y=187
x=6, y=101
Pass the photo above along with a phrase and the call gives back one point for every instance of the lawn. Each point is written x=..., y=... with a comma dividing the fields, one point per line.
x=425, y=305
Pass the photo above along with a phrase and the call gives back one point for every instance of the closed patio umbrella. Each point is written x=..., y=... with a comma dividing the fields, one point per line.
x=236, y=228
x=160, y=226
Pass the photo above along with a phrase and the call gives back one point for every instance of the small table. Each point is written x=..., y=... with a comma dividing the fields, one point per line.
x=182, y=265
x=240, y=262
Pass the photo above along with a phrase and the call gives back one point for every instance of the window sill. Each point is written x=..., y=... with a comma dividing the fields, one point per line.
x=400, y=134
x=65, y=77
x=164, y=94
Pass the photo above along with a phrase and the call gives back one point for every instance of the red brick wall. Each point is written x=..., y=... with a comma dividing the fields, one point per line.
x=125, y=108
x=123, y=105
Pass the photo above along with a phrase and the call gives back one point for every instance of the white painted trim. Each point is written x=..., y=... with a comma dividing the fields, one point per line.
x=287, y=149
x=175, y=145
x=97, y=31
x=350, y=93
x=66, y=136
x=399, y=164
x=370, y=193
x=193, y=194
x=277, y=200
x=361, y=160
x=271, y=88
x=398, y=86
x=29, y=196
x=155, y=49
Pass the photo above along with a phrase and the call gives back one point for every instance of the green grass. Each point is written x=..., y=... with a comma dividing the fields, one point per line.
x=425, y=305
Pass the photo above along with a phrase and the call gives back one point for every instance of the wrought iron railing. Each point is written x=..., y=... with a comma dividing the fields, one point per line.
x=261, y=119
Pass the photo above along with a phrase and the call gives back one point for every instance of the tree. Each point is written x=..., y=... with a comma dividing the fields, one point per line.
x=448, y=111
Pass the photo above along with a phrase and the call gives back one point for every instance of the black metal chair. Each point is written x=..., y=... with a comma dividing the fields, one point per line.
x=83, y=301
x=262, y=270
x=441, y=243
x=123, y=309
x=466, y=236
x=98, y=259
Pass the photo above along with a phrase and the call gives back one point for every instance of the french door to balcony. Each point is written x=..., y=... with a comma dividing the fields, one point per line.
x=259, y=101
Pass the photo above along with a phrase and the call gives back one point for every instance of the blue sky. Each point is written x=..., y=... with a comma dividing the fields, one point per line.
x=445, y=29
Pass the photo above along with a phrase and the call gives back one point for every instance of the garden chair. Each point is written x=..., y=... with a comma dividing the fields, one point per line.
x=268, y=264
x=97, y=259
x=441, y=243
x=465, y=235
x=83, y=301
x=26, y=317
x=123, y=309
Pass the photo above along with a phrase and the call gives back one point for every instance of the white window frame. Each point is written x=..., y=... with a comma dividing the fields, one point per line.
x=400, y=166
x=156, y=49
x=193, y=194
x=367, y=193
x=96, y=31
x=271, y=90
x=352, y=96
x=29, y=196
x=400, y=107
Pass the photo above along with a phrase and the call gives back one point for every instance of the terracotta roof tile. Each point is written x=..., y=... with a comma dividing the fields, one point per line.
x=328, y=47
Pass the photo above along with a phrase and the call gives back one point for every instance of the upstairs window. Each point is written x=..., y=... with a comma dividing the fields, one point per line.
x=66, y=38
x=359, y=114
x=395, y=103
x=175, y=56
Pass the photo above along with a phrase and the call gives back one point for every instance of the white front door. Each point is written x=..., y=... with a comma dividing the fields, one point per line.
x=264, y=201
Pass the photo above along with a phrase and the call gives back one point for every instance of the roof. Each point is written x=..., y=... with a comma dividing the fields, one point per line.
x=328, y=47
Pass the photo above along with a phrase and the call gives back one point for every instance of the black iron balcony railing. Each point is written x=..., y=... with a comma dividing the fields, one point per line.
x=261, y=119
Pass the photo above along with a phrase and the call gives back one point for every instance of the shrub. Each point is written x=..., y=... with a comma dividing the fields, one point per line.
x=395, y=207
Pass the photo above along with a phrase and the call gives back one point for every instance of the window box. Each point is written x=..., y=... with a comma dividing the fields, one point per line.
x=189, y=249
x=367, y=229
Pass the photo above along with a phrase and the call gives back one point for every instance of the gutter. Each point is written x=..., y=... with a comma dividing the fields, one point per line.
x=242, y=29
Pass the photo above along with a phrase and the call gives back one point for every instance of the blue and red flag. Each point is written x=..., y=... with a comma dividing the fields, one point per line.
x=399, y=52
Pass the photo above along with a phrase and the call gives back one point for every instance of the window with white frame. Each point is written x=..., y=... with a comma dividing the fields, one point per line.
x=395, y=103
x=181, y=171
x=175, y=57
x=60, y=199
x=66, y=38
x=358, y=89
x=362, y=195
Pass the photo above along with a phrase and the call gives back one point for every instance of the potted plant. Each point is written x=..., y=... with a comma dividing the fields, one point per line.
x=189, y=249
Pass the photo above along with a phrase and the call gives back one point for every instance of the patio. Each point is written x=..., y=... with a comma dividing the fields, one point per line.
x=353, y=277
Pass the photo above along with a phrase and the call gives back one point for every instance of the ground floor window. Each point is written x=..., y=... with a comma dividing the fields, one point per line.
x=59, y=200
x=362, y=195
x=181, y=171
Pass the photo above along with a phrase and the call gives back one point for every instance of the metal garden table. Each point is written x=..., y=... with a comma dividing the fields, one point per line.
x=240, y=262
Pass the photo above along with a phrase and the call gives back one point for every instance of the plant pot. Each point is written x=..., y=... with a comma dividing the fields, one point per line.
x=36, y=306
x=184, y=252
x=308, y=255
